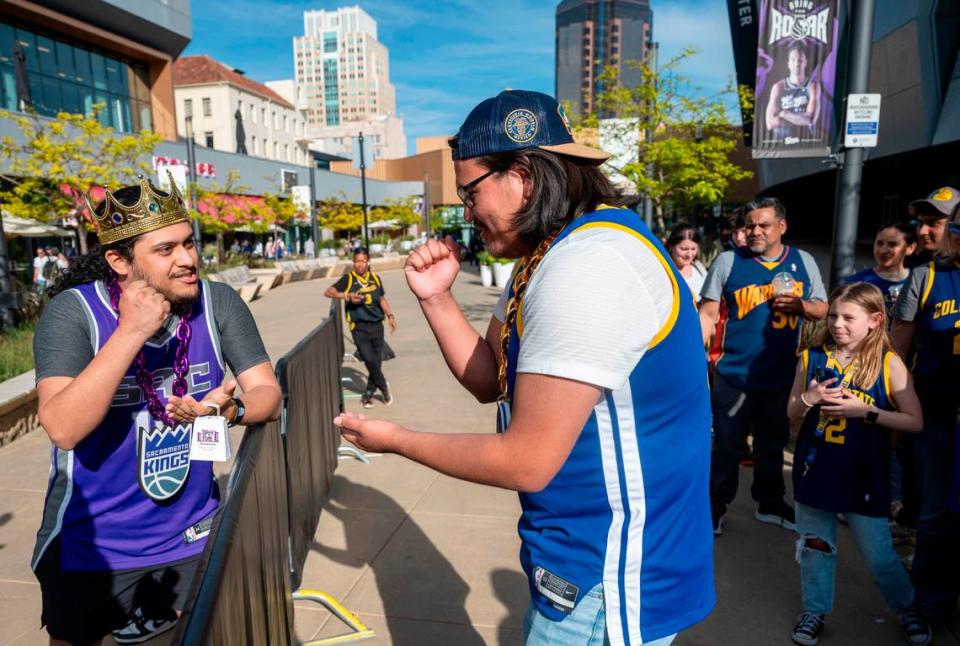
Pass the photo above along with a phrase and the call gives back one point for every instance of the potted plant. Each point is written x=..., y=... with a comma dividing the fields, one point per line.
x=502, y=270
x=407, y=242
x=486, y=268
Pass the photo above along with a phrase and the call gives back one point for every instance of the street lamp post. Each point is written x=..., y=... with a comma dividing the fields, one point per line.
x=363, y=191
x=192, y=178
x=848, y=182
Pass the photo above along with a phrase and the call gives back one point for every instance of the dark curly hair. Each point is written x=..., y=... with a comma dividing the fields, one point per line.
x=93, y=266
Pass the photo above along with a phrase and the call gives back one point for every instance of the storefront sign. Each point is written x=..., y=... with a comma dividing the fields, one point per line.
x=203, y=169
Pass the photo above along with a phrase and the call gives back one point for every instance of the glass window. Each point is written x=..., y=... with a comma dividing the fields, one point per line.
x=86, y=98
x=207, y=109
x=65, y=61
x=253, y=145
x=146, y=116
x=253, y=114
x=99, y=71
x=8, y=85
x=139, y=80
x=70, y=97
x=114, y=84
x=81, y=62
x=6, y=44
x=46, y=52
x=208, y=138
x=104, y=116
x=188, y=107
x=48, y=103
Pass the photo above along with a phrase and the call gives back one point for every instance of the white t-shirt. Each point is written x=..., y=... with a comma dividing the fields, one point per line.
x=592, y=307
x=695, y=279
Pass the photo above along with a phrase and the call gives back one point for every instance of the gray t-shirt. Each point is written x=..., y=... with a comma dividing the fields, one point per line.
x=908, y=303
x=62, y=343
x=719, y=272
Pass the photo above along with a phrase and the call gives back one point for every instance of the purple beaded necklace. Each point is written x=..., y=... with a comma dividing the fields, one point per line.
x=181, y=363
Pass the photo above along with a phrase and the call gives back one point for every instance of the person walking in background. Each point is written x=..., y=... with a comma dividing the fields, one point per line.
x=849, y=390
x=684, y=248
x=39, y=262
x=366, y=306
x=926, y=333
x=768, y=288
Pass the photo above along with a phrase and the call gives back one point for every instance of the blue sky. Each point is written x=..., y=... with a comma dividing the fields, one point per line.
x=447, y=55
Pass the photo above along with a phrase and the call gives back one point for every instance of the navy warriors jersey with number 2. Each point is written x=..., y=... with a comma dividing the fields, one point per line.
x=850, y=472
x=630, y=506
x=758, y=345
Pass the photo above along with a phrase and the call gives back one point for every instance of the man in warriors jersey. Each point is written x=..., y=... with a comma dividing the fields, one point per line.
x=131, y=349
x=768, y=290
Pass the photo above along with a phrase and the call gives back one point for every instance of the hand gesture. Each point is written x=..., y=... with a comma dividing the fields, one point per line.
x=354, y=297
x=186, y=409
x=375, y=435
x=392, y=322
x=817, y=392
x=142, y=309
x=846, y=405
x=788, y=303
x=432, y=267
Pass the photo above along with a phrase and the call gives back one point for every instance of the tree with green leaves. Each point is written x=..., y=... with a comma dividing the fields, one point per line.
x=403, y=210
x=684, y=141
x=48, y=169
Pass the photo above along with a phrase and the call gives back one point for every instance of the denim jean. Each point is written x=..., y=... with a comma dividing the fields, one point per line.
x=736, y=414
x=818, y=568
x=936, y=564
x=585, y=626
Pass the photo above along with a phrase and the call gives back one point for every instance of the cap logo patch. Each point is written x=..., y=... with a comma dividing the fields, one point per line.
x=943, y=195
x=563, y=117
x=520, y=126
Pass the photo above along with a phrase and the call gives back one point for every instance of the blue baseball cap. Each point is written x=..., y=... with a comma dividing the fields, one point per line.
x=518, y=120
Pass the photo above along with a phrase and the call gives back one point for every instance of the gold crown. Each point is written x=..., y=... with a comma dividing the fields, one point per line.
x=151, y=212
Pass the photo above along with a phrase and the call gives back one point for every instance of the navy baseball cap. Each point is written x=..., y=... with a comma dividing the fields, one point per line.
x=518, y=120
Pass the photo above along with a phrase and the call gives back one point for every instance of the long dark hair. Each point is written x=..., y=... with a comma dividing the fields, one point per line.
x=93, y=266
x=682, y=231
x=563, y=188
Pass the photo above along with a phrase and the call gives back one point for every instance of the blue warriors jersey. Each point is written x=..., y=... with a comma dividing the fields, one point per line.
x=759, y=346
x=850, y=469
x=630, y=506
x=127, y=495
x=937, y=336
x=889, y=288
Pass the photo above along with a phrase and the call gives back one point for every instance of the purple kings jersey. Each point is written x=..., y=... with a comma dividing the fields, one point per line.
x=124, y=497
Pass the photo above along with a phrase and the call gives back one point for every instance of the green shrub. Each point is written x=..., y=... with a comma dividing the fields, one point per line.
x=485, y=258
x=16, y=351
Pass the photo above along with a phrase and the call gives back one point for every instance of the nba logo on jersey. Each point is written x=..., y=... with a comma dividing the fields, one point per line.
x=164, y=457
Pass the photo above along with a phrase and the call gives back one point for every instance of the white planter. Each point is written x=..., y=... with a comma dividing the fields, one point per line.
x=376, y=247
x=501, y=274
x=406, y=245
x=486, y=275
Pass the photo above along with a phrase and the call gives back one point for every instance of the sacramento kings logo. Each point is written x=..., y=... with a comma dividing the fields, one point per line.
x=163, y=457
x=521, y=126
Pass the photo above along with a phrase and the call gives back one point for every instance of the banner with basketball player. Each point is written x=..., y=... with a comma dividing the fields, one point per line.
x=796, y=78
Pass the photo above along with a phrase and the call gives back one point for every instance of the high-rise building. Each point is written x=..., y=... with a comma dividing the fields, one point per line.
x=592, y=35
x=343, y=70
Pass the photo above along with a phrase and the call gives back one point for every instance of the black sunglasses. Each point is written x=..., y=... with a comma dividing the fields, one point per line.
x=464, y=192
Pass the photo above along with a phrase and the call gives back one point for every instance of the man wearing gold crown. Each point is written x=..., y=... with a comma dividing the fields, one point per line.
x=130, y=350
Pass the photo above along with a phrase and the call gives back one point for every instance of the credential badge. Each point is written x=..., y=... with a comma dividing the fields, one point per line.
x=520, y=126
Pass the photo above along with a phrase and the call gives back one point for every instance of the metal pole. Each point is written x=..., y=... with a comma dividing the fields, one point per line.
x=314, y=225
x=363, y=190
x=7, y=298
x=192, y=178
x=848, y=182
x=426, y=202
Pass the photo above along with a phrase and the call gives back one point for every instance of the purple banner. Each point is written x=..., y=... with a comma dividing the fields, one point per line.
x=796, y=78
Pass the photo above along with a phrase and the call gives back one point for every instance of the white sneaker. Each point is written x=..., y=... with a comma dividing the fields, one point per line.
x=140, y=629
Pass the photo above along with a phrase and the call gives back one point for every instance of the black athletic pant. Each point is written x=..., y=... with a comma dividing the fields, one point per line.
x=368, y=337
x=737, y=413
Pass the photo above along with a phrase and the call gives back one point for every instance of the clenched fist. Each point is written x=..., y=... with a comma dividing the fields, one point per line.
x=142, y=309
x=432, y=267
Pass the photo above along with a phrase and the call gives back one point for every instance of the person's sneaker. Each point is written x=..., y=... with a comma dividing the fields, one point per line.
x=808, y=629
x=777, y=513
x=916, y=630
x=367, y=400
x=140, y=629
x=387, y=397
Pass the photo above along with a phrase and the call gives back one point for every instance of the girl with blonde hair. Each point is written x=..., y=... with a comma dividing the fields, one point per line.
x=850, y=390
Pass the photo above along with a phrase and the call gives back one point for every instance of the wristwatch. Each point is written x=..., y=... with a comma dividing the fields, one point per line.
x=871, y=416
x=241, y=411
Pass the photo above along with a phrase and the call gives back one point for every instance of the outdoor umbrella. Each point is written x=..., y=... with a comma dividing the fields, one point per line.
x=241, y=135
x=22, y=80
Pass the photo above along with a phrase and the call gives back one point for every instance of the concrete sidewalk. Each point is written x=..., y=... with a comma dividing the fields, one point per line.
x=424, y=559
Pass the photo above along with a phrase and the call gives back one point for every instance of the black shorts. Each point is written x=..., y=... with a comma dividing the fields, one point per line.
x=83, y=607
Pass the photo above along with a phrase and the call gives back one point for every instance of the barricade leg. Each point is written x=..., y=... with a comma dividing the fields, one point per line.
x=359, y=632
x=351, y=452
